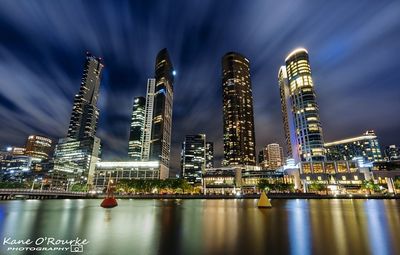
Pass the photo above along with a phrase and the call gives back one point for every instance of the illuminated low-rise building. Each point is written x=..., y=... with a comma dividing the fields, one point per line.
x=127, y=170
x=347, y=174
x=39, y=147
x=366, y=146
x=234, y=180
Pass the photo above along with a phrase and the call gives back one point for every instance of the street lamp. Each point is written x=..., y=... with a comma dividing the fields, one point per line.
x=33, y=184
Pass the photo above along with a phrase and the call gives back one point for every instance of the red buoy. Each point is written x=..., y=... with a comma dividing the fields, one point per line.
x=109, y=201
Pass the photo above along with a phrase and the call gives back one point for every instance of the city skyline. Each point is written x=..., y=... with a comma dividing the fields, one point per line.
x=197, y=92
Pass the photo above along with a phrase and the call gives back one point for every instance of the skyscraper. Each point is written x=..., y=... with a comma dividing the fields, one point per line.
x=287, y=115
x=76, y=155
x=160, y=145
x=193, y=157
x=304, y=107
x=137, y=129
x=239, y=141
x=38, y=147
x=209, y=154
x=85, y=113
x=148, y=118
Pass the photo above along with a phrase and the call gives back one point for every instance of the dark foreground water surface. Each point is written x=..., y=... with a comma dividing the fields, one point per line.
x=204, y=226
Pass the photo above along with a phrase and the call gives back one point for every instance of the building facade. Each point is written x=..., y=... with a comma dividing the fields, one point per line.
x=392, y=152
x=160, y=144
x=238, y=117
x=366, y=146
x=148, y=118
x=193, y=158
x=39, y=147
x=304, y=105
x=272, y=157
x=288, y=116
x=136, y=133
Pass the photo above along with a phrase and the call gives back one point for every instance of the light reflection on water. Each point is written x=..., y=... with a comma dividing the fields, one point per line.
x=210, y=226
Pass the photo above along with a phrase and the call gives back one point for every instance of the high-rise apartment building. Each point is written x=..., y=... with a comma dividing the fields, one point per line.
x=136, y=133
x=366, y=146
x=38, y=147
x=304, y=107
x=160, y=144
x=193, y=157
x=238, y=118
x=85, y=113
x=272, y=156
x=76, y=155
x=148, y=118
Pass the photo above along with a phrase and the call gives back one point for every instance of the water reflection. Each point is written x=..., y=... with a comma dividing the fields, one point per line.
x=210, y=226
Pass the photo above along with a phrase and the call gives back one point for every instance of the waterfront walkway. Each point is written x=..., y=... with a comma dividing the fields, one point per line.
x=9, y=194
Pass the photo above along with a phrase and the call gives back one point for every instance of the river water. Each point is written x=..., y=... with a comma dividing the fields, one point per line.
x=202, y=227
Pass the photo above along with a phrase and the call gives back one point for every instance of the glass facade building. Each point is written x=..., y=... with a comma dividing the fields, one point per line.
x=137, y=129
x=238, y=118
x=193, y=158
x=304, y=107
x=366, y=146
x=160, y=144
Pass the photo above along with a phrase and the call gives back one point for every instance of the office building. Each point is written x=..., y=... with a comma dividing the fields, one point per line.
x=148, y=118
x=238, y=119
x=366, y=146
x=193, y=158
x=160, y=144
x=304, y=107
x=76, y=159
x=136, y=133
x=39, y=147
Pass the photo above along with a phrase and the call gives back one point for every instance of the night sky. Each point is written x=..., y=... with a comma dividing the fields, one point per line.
x=354, y=49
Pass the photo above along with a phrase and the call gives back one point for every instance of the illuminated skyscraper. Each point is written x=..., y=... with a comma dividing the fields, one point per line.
x=193, y=157
x=76, y=155
x=38, y=147
x=148, y=118
x=308, y=130
x=239, y=142
x=137, y=129
x=160, y=145
x=85, y=113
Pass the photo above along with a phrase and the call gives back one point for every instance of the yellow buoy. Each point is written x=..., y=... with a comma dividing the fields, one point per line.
x=264, y=202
